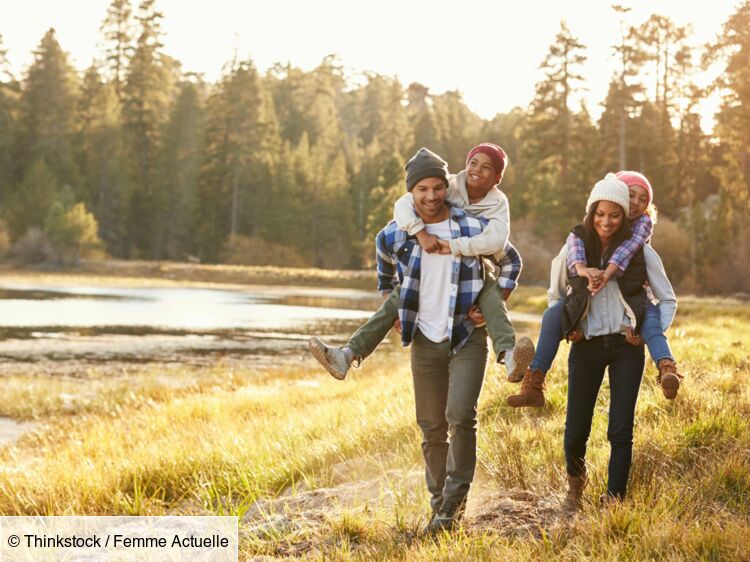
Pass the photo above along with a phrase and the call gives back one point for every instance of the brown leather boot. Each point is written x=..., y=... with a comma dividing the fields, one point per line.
x=669, y=378
x=532, y=391
x=574, y=497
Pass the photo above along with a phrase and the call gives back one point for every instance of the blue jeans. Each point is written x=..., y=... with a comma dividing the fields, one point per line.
x=587, y=362
x=550, y=336
x=652, y=334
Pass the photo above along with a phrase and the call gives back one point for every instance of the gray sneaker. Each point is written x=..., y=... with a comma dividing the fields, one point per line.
x=519, y=358
x=333, y=359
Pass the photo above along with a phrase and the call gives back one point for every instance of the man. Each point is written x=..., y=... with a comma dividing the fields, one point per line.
x=437, y=312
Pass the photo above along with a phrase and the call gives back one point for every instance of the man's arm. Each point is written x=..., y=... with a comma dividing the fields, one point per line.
x=386, y=265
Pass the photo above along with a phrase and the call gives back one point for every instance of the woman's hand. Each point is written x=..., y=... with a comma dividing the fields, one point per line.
x=596, y=279
x=632, y=339
x=574, y=336
x=476, y=316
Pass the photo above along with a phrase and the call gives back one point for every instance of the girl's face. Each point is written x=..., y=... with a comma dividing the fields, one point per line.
x=638, y=201
x=480, y=173
x=608, y=219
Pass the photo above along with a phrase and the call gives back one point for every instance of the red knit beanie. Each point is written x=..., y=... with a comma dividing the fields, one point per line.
x=496, y=154
x=636, y=178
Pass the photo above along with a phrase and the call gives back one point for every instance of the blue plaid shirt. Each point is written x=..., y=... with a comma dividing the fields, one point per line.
x=399, y=263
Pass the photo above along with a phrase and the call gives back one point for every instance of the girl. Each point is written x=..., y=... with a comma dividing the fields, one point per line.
x=642, y=215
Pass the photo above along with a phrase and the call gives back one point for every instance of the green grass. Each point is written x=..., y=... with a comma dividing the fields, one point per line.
x=222, y=440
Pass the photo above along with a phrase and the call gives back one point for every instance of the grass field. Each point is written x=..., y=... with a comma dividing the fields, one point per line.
x=326, y=470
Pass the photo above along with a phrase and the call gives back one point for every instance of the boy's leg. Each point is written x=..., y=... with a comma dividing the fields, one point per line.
x=338, y=360
x=495, y=313
x=368, y=336
x=658, y=347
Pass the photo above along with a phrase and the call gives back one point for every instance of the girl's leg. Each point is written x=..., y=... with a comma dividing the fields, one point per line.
x=549, y=338
x=652, y=334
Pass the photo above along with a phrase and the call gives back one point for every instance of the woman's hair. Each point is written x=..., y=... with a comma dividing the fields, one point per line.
x=591, y=238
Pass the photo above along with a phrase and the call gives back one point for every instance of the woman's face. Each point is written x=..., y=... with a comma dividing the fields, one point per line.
x=638, y=201
x=480, y=173
x=608, y=219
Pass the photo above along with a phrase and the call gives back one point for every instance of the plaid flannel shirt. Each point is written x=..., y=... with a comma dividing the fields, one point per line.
x=399, y=263
x=509, y=265
x=641, y=228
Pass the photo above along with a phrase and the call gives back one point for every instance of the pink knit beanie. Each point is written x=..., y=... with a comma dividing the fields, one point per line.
x=636, y=178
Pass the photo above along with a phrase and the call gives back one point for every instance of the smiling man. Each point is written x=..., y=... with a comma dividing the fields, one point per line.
x=448, y=352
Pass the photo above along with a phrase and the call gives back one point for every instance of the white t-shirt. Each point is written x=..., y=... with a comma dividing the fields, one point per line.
x=435, y=288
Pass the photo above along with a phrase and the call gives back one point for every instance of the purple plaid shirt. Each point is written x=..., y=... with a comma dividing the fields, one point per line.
x=642, y=228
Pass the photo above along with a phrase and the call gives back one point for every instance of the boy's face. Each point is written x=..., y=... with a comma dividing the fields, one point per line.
x=638, y=201
x=429, y=199
x=480, y=172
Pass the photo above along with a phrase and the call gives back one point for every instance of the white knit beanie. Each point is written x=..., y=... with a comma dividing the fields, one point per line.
x=610, y=189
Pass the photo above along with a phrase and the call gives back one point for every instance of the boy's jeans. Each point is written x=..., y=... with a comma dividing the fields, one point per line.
x=490, y=301
x=551, y=335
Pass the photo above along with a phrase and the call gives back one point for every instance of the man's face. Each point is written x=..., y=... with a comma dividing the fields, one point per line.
x=429, y=199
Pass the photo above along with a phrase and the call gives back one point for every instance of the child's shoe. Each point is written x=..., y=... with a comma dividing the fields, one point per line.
x=532, y=391
x=518, y=359
x=669, y=378
x=335, y=360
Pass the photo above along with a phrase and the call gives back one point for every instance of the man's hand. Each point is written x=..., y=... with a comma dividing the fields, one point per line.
x=506, y=293
x=574, y=336
x=429, y=242
x=445, y=247
x=632, y=339
x=397, y=325
x=476, y=316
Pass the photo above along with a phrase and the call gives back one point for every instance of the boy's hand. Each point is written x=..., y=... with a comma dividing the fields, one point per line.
x=429, y=242
x=632, y=339
x=476, y=316
x=445, y=247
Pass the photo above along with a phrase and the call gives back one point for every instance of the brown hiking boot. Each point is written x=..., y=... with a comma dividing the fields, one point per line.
x=532, y=391
x=669, y=378
x=574, y=497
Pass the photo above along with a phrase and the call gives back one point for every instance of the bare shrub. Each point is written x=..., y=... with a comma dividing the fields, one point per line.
x=672, y=242
x=243, y=250
x=32, y=248
x=537, y=253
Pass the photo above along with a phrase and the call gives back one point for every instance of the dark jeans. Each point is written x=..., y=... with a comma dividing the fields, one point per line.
x=586, y=364
x=446, y=391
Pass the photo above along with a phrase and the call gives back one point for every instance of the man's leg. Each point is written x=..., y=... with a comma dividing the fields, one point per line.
x=338, y=360
x=466, y=370
x=429, y=366
x=625, y=374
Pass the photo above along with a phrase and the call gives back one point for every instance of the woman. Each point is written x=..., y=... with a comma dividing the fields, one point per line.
x=604, y=329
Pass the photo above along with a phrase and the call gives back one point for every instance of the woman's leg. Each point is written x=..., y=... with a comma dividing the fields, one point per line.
x=625, y=374
x=586, y=364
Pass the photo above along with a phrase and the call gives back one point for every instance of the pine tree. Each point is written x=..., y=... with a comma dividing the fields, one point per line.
x=47, y=112
x=9, y=94
x=117, y=29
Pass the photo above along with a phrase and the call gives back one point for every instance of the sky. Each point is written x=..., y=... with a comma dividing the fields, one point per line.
x=489, y=50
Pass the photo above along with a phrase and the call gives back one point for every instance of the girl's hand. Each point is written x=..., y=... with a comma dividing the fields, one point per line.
x=632, y=339
x=476, y=316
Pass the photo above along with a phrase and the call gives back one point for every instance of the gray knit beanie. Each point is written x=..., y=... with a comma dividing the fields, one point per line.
x=425, y=164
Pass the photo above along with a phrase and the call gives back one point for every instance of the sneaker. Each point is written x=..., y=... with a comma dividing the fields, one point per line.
x=333, y=359
x=447, y=517
x=518, y=359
